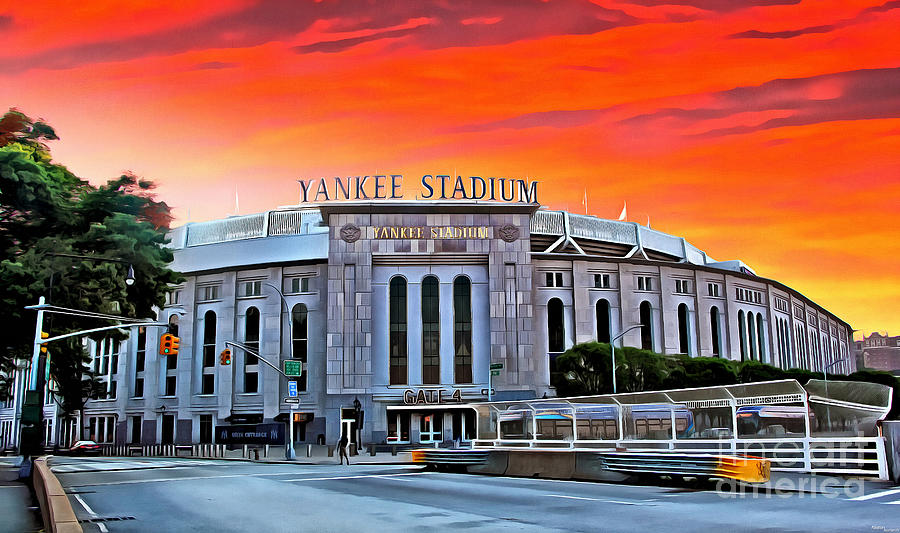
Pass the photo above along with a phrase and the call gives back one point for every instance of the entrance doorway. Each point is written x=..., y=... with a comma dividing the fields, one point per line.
x=431, y=427
x=168, y=429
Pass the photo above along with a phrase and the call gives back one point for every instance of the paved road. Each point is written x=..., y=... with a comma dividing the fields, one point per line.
x=209, y=495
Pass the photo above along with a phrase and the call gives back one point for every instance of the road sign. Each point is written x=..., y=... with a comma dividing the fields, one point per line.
x=292, y=400
x=495, y=372
x=293, y=367
x=292, y=389
x=496, y=366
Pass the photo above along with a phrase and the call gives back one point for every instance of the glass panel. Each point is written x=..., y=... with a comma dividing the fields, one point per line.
x=209, y=339
x=462, y=329
x=397, y=342
x=251, y=335
x=300, y=331
x=431, y=331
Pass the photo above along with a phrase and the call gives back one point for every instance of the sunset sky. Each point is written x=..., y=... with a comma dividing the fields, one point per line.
x=760, y=130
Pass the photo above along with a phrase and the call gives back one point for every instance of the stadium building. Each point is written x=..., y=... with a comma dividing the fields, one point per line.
x=399, y=310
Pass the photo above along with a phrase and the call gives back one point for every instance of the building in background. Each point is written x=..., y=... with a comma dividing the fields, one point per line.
x=879, y=352
x=403, y=307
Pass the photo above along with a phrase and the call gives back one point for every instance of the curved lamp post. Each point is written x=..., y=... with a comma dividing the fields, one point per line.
x=290, y=454
x=612, y=350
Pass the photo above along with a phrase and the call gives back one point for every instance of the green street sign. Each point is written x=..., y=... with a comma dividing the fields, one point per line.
x=496, y=366
x=293, y=368
x=495, y=372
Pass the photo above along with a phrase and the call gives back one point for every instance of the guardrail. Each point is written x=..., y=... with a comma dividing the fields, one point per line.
x=828, y=455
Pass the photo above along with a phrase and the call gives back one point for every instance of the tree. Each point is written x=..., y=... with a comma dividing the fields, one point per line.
x=47, y=210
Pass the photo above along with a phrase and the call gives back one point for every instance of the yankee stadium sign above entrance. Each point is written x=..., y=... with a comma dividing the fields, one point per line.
x=437, y=187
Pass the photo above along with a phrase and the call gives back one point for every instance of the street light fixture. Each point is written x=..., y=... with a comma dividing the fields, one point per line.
x=290, y=454
x=612, y=351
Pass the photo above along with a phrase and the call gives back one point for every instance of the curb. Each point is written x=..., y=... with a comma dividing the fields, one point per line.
x=56, y=509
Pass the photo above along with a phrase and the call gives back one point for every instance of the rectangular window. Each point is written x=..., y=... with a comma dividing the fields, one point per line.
x=170, y=386
x=682, y=286
x=111, y=394
x=206, y=429
x=601, y=281
x=296, y=285
x=250, y=288
x=139, y=387
x=208, y=385
x=207, y=293
x=554, y=279
x=644, y=283
x=171, y=362
x=712, y=289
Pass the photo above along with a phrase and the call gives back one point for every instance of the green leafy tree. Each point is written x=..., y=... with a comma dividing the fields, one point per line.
x=47, y=210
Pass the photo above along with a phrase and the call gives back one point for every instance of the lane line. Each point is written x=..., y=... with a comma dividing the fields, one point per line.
x=876, y=495
x=100, y=525
x=620, y=502
x=85, y=505
x=358, y=477
x=191, y=478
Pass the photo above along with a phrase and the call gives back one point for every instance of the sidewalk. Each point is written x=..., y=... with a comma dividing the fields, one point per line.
x=15, y=501
x=402, y=458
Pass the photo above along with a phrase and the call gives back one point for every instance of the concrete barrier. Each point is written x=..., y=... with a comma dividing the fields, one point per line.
x=588, y=466
x=552, y=465
x=56, y=510
x=496, y=463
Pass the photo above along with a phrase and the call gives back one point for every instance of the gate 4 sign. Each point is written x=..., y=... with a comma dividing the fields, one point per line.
x=431, y=396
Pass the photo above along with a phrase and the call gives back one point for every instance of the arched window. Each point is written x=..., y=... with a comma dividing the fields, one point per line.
x=684, y=339
x=397, y=342
x=462, y=330
x=208, y=374
x=647, y=323
x=209, y=339
x=251, y=340
x=431, y=331
x=556, y=331
x=760, y=338
x=742, y=335
x=751, y=337
x=714, y=331
x=300, y=340
x=603, y=321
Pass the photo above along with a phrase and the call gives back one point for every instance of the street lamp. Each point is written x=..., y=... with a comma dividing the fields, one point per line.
x=826, y=367
x=825, y=374
x=290, y=454
x=612, y=351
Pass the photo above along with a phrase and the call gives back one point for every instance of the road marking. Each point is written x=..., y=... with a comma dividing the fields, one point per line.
x=876, y=495
x=357, y=477
x=191, y=478
x=100, y=525
x=85, y=505
x=645, y=502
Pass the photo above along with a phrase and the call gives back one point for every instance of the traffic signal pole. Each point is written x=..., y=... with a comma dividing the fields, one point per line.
x=290, y=453
x=31, y=431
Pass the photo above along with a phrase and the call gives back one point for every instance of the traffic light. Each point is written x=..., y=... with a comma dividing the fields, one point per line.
x=225, y=357
x=168, y=344
x=44, y=335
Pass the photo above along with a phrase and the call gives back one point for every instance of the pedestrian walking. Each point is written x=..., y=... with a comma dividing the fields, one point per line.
x=342, y=445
